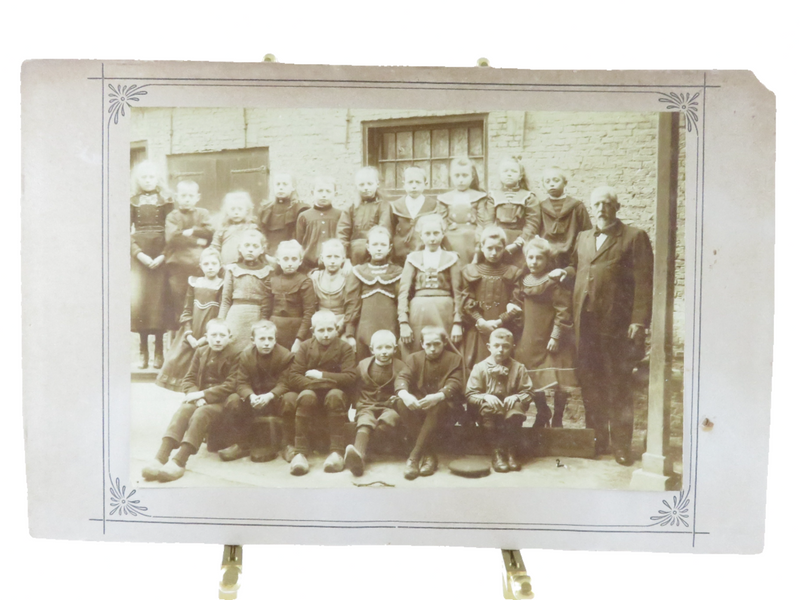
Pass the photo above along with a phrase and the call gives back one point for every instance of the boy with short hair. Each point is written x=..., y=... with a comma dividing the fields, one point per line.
x=324, y=370
x=407, y=210
x=277, y=216
x=375, y=407
x=501, y=389
x=356, y=221
x=207, y=386
x=431, y=383
x=264, y=405
x=561, y=218
x=188, y=231
x=318, y=223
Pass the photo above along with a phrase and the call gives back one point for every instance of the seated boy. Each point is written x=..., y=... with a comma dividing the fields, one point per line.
x=500, y=388
x=376, y=398
x=261, y=391
x=324, y=370
x=207, y=385
x=431, y=383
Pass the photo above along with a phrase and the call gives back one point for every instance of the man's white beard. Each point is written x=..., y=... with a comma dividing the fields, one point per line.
x=604, y=223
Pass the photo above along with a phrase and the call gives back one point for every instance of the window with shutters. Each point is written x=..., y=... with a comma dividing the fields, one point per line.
x=218, y=173
x=429, y=143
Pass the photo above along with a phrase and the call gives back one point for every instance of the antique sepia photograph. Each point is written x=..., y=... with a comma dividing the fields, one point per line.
x=325, y=298
x=342, y=305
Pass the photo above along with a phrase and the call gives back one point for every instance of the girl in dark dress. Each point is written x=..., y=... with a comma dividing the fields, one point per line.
x=459, y=208
x=371, y=294
x=201, y=305
x=245, y=293
x=430, y=288
x=237, y=208
x=545, y=346
x=513, y=207
x=488, y=287
x=290, y=301
x=150, y=311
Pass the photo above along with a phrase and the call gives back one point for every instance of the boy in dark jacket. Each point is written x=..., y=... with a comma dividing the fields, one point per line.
x=262, y=415
x=375, y=408
x=324, y=371
x=356, y=221
x=432, y=382
x=207, y=386
x=561, y=217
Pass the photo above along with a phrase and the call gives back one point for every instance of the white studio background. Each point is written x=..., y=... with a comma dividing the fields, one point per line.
x=566, y=35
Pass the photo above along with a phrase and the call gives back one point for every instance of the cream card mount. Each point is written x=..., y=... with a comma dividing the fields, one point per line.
x=686, y=152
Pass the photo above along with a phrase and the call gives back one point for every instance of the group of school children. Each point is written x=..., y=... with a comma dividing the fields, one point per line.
x=419, y=312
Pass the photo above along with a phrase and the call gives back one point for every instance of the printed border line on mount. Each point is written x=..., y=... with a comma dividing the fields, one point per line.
x=677, y=513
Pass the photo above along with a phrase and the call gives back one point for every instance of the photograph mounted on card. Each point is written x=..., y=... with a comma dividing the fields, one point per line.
x=343, y=305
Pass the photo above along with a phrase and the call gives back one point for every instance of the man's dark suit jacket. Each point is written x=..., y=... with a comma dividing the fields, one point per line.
x=615, y=283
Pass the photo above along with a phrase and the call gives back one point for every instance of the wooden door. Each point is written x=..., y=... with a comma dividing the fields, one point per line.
x=218, y=173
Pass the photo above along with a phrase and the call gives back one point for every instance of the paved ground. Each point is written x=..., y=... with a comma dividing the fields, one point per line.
x=153, y=406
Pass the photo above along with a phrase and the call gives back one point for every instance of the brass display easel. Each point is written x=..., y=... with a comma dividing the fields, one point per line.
x=516, y=582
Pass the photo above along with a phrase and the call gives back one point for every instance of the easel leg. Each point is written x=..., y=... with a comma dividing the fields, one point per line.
x=231, y=569
x=516, y=583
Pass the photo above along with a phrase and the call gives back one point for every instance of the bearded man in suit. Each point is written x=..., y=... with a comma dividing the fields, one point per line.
x=612, y=301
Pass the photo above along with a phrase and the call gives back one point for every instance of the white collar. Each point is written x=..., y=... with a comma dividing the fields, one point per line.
x=431, y=260
x=414, y=205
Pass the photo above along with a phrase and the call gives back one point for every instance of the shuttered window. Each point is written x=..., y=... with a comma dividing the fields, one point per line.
x=430, y=143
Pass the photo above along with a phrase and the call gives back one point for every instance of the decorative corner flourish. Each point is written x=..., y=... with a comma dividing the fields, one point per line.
x=121, y=96
x=685, y=103
x=122, y=502
x=677, y=513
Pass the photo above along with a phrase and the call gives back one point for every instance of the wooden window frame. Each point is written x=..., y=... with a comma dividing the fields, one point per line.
x=371, y=131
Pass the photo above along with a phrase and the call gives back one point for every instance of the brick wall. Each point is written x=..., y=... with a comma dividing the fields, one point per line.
x=595, y=148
